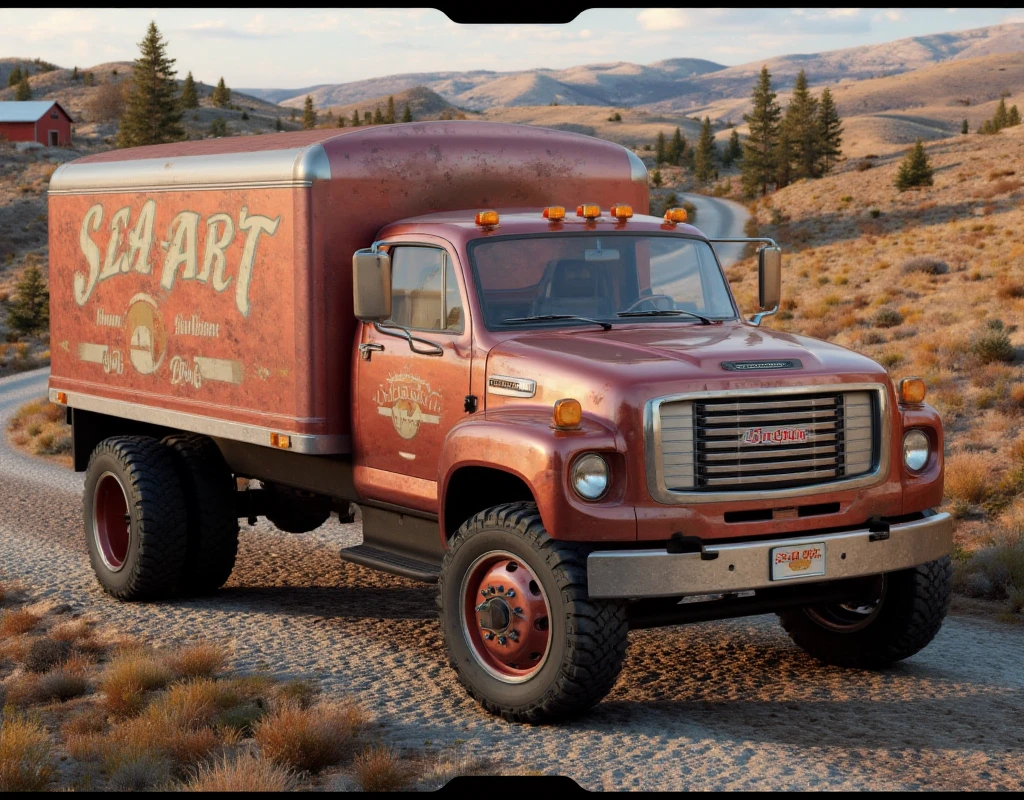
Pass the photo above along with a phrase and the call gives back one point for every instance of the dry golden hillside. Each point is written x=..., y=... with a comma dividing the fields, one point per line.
x=928, y=282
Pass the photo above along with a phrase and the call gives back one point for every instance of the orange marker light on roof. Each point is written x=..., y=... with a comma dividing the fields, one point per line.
x=487, y=219
x=675, y=215
x=588, y=211
x=554, y=213
x=622, y=212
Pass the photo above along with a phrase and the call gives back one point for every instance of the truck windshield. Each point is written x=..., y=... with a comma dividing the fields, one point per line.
x=572, y=278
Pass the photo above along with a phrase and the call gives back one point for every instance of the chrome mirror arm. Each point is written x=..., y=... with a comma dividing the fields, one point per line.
x=399, y=332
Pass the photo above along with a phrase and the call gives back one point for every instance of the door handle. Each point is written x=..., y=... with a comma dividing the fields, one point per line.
x=367, y=349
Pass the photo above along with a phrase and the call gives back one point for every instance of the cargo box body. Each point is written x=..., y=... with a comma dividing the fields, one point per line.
x=206, y=285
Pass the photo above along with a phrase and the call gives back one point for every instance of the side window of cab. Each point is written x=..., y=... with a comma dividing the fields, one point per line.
x=424, y=290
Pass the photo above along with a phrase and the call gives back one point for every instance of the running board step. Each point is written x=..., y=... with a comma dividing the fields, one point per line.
x=385, y=561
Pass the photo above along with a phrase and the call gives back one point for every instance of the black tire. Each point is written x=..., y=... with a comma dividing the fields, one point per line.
x=209, y=489
x=587, y=637
x=294, y=511
x=910, y=612
x=149, y=564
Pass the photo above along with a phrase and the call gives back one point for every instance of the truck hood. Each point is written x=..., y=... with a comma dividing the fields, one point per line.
x=659, y=358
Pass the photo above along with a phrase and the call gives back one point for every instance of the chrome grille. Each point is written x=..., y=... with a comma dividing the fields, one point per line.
x=767, y=442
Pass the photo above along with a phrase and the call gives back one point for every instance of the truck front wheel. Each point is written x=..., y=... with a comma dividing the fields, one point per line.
x=900, y=617
x=135, y=524
x=520, y=631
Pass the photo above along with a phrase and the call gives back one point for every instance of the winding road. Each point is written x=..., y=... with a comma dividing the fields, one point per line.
x=724, y=705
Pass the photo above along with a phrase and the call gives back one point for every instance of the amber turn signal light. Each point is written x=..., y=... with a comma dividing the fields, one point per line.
x=588, y=211
x=675, y=215
x=282, y=440
x=554, y=213
x=62, y=398
x=487, y=219
x=912, y=391
x=622, y=212
x=567, y=414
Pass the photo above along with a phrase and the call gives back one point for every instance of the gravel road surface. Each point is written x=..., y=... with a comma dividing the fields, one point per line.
x=726, y=705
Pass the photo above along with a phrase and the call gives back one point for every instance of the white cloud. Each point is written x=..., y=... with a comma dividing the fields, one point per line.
x=586, y=33
x=842, y=13
x=894, y=15
x=663, y=19
x=208, y=25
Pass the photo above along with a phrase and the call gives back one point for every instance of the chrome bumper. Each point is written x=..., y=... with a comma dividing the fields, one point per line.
x=745, y=566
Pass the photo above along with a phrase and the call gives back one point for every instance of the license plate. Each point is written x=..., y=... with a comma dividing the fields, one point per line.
x=803, y=561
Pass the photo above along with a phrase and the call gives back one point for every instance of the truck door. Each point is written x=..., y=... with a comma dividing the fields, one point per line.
x=404, y=401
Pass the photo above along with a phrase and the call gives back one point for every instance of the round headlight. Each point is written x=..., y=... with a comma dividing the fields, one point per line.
x=915, y=450
x=590, y=476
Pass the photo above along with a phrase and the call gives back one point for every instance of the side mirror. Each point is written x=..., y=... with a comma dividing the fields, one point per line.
x=371, y=286
x=769, y=278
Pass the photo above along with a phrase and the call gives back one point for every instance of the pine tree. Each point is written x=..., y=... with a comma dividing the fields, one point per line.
x=801, y=126
x=661, y=152
x=341, y=120
x=783, y=159
x=15, y=77
x=355, y=119
x=389, y=117
x=308, y=114
x=915, y=169
x=152, y=114
x=30, y=312
x=74, y=74
x=735, y=148
x=830, y=131
x=656, y=178
x=218, y=127
x=378, y=117
x=24, y=91
x=759, y=150
x=964, y=128
x=367, y=118
x=1013, y=118
x=221, y=94
x=987, y=127
x=676, y=148
x=407, y=114
x=704, y=154
x=277, y=124
x=1002, y=116
x=189, y=97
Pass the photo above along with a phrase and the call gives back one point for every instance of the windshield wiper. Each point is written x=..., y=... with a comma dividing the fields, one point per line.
x=542, y=317
x=666, y=312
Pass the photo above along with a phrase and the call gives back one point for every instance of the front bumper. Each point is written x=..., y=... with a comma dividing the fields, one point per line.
x=739, y=567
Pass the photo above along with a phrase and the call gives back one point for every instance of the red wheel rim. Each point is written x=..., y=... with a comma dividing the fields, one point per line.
x=110, y=521
x=506, y=617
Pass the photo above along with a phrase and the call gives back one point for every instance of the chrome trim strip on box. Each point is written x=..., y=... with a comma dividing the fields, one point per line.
x=305, y=443
x=291, y=167
x=742, y=567
x=507, y=386
x=653, y=459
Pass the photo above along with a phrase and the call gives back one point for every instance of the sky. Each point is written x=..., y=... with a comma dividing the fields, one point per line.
x=296, y=48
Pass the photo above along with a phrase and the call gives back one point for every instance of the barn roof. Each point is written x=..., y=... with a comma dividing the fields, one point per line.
x=28, y=110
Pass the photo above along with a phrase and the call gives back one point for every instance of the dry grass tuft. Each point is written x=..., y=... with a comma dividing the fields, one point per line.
x=197, y=661
x=299, y=692
x=379, y=769
x=246, y=773
x=995, y=573
x=15, y=623
x=40, y=428
x=60, y=685
x=131, y=673
x=26, y=759
x=452, y=763
x=968, y=477
x=309, y=739
x=925, y=264
x=142, y=772
x=44, y=654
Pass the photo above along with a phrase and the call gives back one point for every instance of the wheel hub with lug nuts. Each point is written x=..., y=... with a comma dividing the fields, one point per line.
x=506, y=617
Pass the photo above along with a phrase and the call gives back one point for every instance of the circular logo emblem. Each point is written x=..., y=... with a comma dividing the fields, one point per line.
x=147, y=337
x=406, y=417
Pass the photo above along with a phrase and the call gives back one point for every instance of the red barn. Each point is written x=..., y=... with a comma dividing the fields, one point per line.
x=42, y=121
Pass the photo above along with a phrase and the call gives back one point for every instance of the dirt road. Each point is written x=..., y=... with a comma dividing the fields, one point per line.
x=728, y=705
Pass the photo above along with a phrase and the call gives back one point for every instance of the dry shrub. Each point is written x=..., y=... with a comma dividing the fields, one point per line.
x=1008, y=289
x=44, y=654
x=300, y=692
x=993, y=343
x=156, y=735
x=142, y=772
x=60, y=685
x=14, y=623
x=995, y=573
x=73, y=631
x=196, y=661
x=246, y=773
x=968, y=477
x=453, y=763
x=925, y=264
x=379, y=769
x=887, y=318
x=309, y=739
x=26, y=760
x=132, y=672
x=91, y=720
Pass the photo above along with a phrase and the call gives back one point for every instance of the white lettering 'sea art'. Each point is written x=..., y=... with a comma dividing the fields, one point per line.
x=129, y=249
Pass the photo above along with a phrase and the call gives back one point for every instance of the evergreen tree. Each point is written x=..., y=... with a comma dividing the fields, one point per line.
x=1002, y=116
x=23, y=91
x=656, y=178
x=407, y=114
x=367, y=118
x=660, y=150
x=74, y=74
x=221, y=94
x=987, y=127
x=759, y=150
x=30, y=311
x=915, y=169
x=355, y=119
x=219, y=127
x=1013, y=118
x=152, y=114
x=704, y=154
x=389, y=117
x=964, y=127
x=277, y=124
x=15, y=77
x=378, y=118
x=830, y=131
x=676, y=148
x=783, y=159
x=341, y=120
x=308, y=114
x=735, y=148
x=189, y=97
x=90, y=79
x=801, y=128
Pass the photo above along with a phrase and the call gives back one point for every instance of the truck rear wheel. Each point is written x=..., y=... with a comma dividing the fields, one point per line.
x=135, y=523
x=900, y=618
x=210, y=507
x=520, y=631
